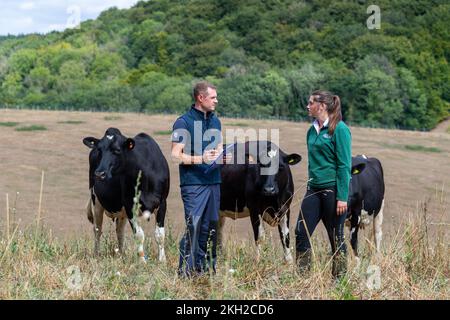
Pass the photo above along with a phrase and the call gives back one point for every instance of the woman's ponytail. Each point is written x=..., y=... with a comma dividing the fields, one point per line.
x=335, y=114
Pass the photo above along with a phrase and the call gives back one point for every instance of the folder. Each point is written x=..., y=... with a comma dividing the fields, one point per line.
x=216, y=163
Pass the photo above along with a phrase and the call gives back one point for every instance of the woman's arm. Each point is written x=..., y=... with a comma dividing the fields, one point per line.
x=344, y=161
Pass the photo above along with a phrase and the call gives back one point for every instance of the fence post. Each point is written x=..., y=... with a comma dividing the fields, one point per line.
x=7, y=217
x=40, y=200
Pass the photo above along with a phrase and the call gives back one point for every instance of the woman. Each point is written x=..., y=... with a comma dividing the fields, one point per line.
x=329, y=165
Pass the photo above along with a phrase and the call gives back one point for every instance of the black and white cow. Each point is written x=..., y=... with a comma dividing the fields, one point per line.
x=251, y=187
x=366, y=198
x=114, y=165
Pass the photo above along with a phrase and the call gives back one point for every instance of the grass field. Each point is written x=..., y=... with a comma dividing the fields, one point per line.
x=57, y=261
x=36, y=265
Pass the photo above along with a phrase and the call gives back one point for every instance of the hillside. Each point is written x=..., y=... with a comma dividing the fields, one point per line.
x=265, y=57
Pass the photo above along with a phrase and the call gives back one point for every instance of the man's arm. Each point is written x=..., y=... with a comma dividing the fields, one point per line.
x=179, y=135
x=182, y=158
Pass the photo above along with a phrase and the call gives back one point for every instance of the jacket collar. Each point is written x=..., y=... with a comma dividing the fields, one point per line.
x=316, y=124
x=199, y=114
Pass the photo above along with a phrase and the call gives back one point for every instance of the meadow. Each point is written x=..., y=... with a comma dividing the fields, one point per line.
x=46, y=242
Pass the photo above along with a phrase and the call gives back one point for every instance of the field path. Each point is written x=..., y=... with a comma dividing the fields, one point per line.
x=444, y=127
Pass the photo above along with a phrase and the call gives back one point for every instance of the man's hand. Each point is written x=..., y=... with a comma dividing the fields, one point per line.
x=341, y=207
x=210, y=155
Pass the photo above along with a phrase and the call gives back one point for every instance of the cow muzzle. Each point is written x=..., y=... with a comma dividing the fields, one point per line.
x=100, y=175
x=270, y=191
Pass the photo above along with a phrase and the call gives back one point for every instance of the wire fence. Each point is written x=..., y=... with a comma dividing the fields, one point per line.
x=296, y=118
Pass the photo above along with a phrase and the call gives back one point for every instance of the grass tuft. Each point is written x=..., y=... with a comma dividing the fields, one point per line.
x=72, y=122
x=238, y=124
x=415, y=147
x=163, y=132
x=112, y=118
x=411, y=147
x=8, y=124
x=32, y=128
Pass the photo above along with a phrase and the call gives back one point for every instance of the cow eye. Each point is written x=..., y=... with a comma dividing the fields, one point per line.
x=116, y=151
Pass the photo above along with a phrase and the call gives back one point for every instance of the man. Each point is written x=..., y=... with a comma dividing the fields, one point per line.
x=196, y=143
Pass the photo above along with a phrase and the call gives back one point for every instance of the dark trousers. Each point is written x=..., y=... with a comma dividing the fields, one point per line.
x=199, y=243
x=320, y=204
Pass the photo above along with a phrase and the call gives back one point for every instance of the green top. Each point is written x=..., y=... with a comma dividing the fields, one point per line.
x=330, y=158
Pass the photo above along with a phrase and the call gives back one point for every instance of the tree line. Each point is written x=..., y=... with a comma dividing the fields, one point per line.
x=264, y=56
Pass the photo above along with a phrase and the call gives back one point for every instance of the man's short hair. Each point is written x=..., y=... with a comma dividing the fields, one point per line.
x=202, y=88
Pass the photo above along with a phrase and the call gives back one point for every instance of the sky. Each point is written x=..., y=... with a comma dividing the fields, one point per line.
x=42, y=16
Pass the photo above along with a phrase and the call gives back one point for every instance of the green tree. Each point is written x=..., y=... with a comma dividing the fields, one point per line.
x=40, y=79
x=22, y=61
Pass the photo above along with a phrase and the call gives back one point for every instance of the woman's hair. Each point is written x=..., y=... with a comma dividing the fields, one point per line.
x=333, y=104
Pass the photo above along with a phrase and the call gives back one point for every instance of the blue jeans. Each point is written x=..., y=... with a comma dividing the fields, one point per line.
x=199, y=243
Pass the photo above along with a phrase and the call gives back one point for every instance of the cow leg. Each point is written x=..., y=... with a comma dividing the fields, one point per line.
x=139, y=237
x=283, y=228
x=258, y=231
x=354, y=228
x=138, y=232
x=261, y=231
x=89, y=209
x=98, y=222
x=120, y=231
x=377, y=230
x=159, y=230
x=222, y=220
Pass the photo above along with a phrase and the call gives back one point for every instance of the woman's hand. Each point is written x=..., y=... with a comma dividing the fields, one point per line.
x=341, y=207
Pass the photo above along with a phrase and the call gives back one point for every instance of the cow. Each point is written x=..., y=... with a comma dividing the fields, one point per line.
x=115, y=163
x=250, y=188
x=366, y=199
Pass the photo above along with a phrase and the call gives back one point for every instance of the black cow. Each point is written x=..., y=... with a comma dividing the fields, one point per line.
x=366, y=198
x=251, y=187
x=114, y=165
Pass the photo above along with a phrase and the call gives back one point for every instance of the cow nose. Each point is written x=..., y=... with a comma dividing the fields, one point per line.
x=269, y=190
x=100, y=175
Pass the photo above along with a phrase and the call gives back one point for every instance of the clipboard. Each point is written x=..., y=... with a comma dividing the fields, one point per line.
x=215, y=163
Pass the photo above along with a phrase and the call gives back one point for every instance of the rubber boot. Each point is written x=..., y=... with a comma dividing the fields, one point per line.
x=339, y=268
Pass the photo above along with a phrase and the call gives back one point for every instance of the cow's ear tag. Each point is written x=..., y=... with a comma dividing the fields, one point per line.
x=291, y=161
x=358, y=168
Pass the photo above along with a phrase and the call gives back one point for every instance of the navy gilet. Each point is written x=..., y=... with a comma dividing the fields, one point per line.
x=194, y=174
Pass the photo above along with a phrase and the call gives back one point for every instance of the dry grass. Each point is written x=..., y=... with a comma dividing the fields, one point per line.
x=36, y=265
